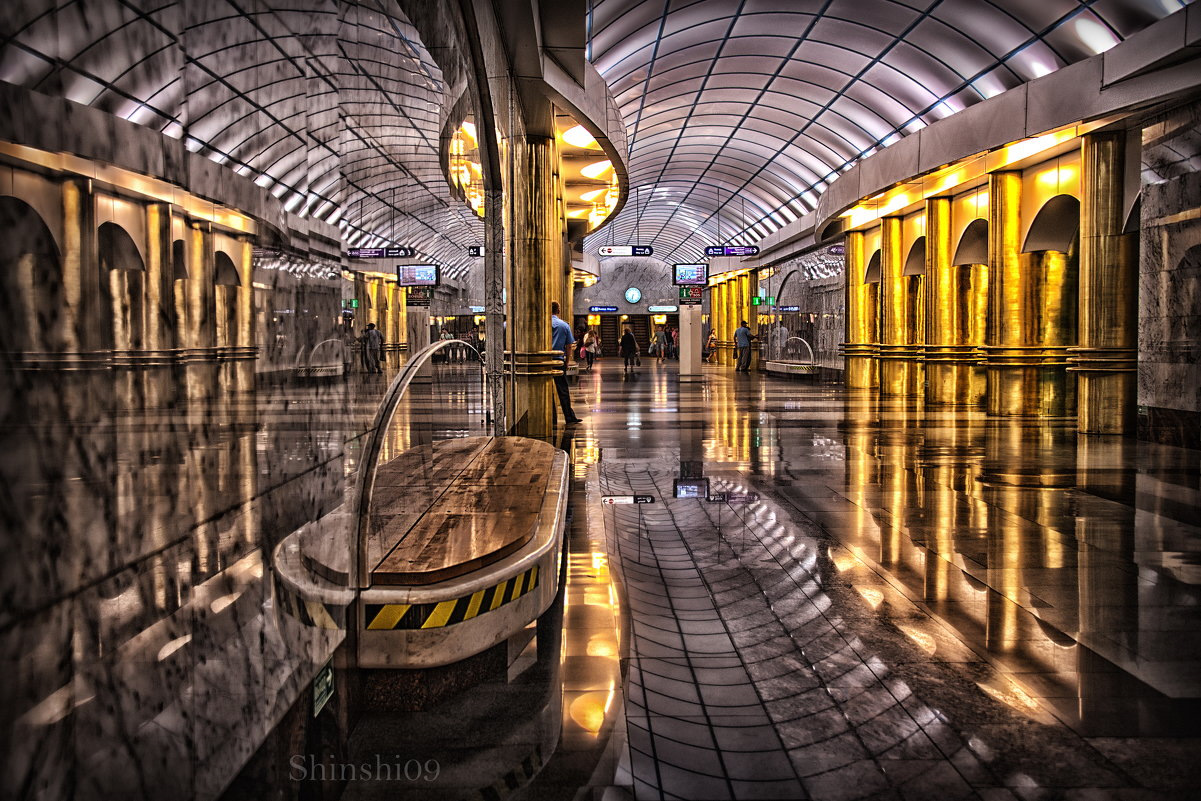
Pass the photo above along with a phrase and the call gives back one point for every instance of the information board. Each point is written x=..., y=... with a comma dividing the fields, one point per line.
x=381, y=253
x=690, y=274
x=732, y=250
x=419, y=297
x=690, y=487
x=602, y=309
x=692, y=295
x=417, y=274
x=626, y=250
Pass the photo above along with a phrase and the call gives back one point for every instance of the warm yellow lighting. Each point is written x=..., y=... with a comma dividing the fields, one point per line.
x=1057, y=177
x=924, y=640
x=593, y=195
x=576, y=214
x=588, y=711
x=596, y=169
x=594, y=319
x=873, y=596
x=659, y=319
x=468, y=129
x=579, y=137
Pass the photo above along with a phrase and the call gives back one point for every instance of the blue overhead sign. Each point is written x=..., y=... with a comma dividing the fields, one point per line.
x=602, y=309
x=732, y=250
x=787, y=309
x=381, y=253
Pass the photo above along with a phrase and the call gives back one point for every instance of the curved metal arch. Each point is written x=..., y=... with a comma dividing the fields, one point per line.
x=369, y=460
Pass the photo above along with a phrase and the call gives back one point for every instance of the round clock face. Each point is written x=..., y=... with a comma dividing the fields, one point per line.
x=633, y=295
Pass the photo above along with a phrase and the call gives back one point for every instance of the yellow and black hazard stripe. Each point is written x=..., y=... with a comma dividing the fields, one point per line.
x=388, y=617
x=310, y=613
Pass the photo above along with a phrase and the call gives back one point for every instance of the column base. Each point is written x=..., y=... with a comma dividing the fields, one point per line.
x=954, y=382
x=1028, y=381
x=1106, y=389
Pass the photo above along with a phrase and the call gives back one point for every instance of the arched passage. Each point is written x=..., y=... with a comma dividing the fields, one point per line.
x=913, y=272
x=31, y=283
x=123, y=289
x=973, y=245
x=872, y=274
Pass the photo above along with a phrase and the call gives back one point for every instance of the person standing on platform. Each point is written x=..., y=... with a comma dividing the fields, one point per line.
x=562, y=339
x=742, y=341
x=711, y=348
x=661, y=341
x=590, y=346
x=629, y=348
x=373, y=342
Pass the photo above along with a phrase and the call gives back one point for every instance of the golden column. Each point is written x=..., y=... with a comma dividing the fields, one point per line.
x=860, y=349
x=895, y=353
x=1106, y=358
x=953, y=374
x=534, y=262
x=245, y=313
x=722, y=324
x=1012, y=315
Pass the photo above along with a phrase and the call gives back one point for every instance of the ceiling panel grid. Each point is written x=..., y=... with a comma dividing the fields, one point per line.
x=747, y=109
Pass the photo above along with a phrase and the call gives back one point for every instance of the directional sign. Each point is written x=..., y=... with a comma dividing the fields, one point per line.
x=381, y=253
x=741, y=497
x=323, y=688
x=732, y=250
x=475, y=250
x=419, y=297
x=691, y=295
x=837, y=250
x=787, y=309
x=717, y=497
x=602, y=309
x=626, y=250
x=662, y=309
x=476, y=309
x=624, y=499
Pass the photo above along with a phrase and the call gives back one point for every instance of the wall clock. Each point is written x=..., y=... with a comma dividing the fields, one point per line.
x=633, y=295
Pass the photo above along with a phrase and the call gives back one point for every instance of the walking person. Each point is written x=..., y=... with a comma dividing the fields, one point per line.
x=629, y=349
x=661, y=341
x=711, y=348
x=373, y=343
x=562, y=339
x=742, y=341
x=590, y=346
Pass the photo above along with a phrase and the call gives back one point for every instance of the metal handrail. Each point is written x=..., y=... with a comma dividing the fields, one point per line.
x=808, y=347
x=369, y=463
x=342, y=357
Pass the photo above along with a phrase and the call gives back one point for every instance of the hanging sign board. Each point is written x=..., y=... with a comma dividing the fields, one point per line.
x=419, y=297
x=787, y=309
x=732, y=250
x=837, y=250
x=626, y=250
x=475, y=250
x=381, y=253
x=691, y=295
x=624, y=499
x=417, y=274
x=690, y=274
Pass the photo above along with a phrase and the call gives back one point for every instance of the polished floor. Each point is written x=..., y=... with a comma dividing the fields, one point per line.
x=890, y=602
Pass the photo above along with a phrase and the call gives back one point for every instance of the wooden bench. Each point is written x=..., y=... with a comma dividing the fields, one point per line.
x=448, y=509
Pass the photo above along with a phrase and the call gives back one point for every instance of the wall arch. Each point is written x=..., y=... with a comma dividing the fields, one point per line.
x=872, y=274
x=225, y=271
x=973, y=245
x=1054, y=226
x=122, y=287
x=915, y=262
x=31, y=282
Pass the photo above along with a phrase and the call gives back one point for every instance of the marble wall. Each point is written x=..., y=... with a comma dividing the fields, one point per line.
x=650, y=275
x=1169, y=339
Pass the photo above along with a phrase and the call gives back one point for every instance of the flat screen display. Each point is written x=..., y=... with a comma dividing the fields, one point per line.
x=417, y=274
x=691, y=274
x=691, y=487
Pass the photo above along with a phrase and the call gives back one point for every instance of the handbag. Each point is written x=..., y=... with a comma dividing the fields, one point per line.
x=637, y=360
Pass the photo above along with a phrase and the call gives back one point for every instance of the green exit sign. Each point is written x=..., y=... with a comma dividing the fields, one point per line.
x=756, y=300
x=353, y=303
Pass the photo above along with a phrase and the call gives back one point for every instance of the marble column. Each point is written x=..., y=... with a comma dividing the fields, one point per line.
x=535, y=261
x=862, y=367
x=1011, y=300
x=1106, y=357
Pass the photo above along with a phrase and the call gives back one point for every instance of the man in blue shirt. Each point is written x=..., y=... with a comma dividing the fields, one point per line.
x=562, y=339
x=742, y=341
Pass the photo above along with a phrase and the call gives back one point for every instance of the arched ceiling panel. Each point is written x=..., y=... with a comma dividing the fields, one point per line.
x=771, y=99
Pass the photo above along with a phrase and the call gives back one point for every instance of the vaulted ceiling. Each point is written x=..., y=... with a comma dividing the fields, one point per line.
x=741, y=112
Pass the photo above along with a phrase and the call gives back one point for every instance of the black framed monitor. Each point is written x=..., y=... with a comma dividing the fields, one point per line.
x=690, y=274
x=417, y=275
x=690, y=487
